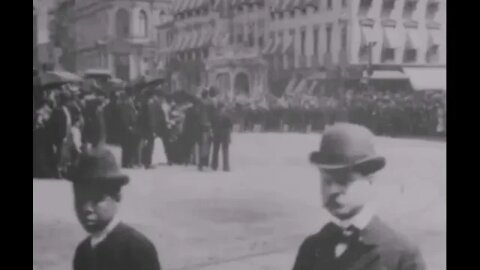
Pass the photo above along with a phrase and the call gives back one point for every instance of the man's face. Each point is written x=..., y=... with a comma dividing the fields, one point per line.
x=344, y=193
x=94, y=207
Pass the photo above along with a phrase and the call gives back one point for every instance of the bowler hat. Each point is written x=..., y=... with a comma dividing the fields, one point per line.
x=348, y=146
x=97, y=166
x=213, y=92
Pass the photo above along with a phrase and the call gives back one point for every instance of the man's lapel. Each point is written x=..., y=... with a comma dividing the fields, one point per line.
x=368, y=249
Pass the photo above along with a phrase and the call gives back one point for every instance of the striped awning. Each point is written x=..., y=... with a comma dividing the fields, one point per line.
x=301, y=86
x=197, y=35
x=414, y=39
x=184, y=5
x=288, y=4
x=191, y=4
x=268, y=46
x=388, y=75
x=368, y=35
x=178, y=4
x=312, y=87
x=291, y=85
x=206, y=36
x=277, y=5
x=288, y=45
x=427, y=78
x=434, y=38
x=392, y=38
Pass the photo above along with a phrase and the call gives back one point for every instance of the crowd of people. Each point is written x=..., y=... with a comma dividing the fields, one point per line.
x=68, y=121
x=386, y=113
x=193, y=129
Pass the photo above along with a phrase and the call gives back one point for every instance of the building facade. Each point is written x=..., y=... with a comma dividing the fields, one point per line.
x=118, y=35
x=343, y=42
x=218, y=43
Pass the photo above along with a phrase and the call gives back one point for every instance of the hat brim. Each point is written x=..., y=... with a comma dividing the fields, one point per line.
x=366, y=166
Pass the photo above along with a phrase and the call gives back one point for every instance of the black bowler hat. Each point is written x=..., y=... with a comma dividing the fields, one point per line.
x=348, y=146
x=213, y=92
x=98, y=166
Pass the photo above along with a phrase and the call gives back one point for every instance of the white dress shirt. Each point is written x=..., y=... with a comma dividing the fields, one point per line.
x=359, y=221
x=96, y=238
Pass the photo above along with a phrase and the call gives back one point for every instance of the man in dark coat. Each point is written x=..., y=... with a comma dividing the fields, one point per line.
x=129, y=137
x=59, y=128
x=205, y=130
x=112, y=244
x=355, y=239
x=222, y=130
x=147, y=128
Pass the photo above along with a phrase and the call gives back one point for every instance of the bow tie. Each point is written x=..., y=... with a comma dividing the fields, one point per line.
x=346, y=235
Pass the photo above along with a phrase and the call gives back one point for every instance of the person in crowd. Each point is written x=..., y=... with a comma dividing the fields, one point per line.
x=148, y=130
x=112, y=118
x=60, y=127
x=205, y=131
x=355, y=238
x=111, y=244
x=43, y=155
x=222, y=129
x=160, y=108
x=129, y=137
x=94, y=130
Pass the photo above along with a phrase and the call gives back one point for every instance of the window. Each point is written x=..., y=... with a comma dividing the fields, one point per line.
x=329, y=4
x=344, y=37
x=280, y=15
x=122, y=23
x=142, y=24
x=410, y=56
x=387, y=8
x=272, y=15
x=250, y=8
x=388, y=55
x=344, y=3
x=329, y=37
x=364, y=54
x=240, y=34
x=432, y=9
x=302, y=40
x=432, y=54
x=304, y=11
x=205, y=53
x=292, y=13
x=315, y=41
x=365, y=5
x=251, y=39
x=260, y=41
x=409, y=8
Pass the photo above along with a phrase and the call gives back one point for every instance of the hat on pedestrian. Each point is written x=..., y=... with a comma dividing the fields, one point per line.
x=97, y=166
x=348, y=146
x=213, y=92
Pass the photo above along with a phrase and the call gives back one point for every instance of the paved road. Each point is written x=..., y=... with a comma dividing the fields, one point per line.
x=256, y=216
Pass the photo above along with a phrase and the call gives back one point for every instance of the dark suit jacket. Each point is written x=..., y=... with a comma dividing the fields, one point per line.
x=128, y=117
x=123, y=249
x=58, y=126
x=380, y=248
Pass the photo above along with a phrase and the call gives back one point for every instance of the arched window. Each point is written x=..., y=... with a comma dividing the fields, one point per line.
x=142, y=24
x=122, y=23
x=161, y=17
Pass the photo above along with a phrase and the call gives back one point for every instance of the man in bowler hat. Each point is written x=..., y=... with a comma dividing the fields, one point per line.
x=355, y=238
x=112, y=244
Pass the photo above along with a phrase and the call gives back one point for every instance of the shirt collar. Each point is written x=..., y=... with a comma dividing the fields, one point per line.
x=359, y=221
x=96, y=238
